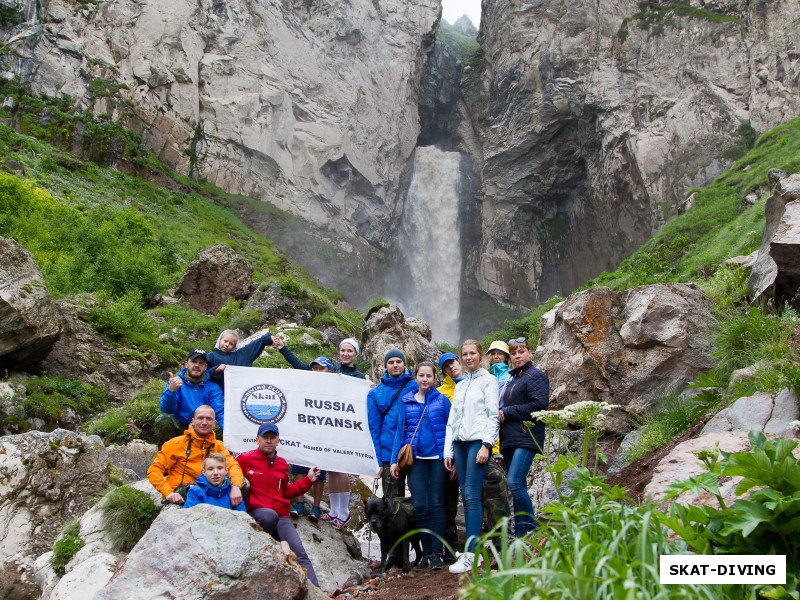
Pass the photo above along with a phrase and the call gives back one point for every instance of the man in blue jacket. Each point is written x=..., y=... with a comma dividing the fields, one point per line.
x=184, y=393
x=383, y=408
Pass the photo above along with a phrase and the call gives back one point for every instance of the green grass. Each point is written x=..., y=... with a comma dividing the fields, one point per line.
x=66, y=546
x=127, y=515
x=655, y=16
x=46, y=398
x=657, y=429
x=692, y=246
x=461, y=46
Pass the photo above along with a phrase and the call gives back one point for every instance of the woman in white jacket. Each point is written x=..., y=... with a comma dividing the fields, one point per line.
x=471, y=433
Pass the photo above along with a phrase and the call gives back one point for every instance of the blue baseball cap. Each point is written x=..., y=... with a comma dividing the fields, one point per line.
x=445, y=357
x=268, y=428
x=322, y=362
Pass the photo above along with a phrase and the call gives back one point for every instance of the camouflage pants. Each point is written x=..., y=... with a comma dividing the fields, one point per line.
x=495, y=495
x=450, y=510
x=392, y=488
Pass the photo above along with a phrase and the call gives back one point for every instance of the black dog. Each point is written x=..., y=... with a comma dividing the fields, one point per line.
x=391, y=519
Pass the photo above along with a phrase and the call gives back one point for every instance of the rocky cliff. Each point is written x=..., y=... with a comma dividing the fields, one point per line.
x=595, y=118
x=585, y=122
x=309, y=105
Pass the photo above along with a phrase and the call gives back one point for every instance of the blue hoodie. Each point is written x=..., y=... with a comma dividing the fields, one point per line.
x=182, y=403
x=202, y=492
x=383, y=412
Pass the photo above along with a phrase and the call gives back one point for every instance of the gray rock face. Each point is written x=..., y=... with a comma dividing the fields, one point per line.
x=135, y=456
x=29, y=321
x=46, y=479
x=207, y=552
x=682, y=463
x=386, y=328
x=80, y=353
x=273, y=305
x=591, y=125
x=310, y=105
x=770, y=413
x=626, y=348
x=776, y=272
x=216, y=274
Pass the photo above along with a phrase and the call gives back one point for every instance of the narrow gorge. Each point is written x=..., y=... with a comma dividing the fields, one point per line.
x=583, y=126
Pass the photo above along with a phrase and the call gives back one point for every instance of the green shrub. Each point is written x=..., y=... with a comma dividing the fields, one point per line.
x=119, y=317
x=112, y=426
x=46, y=397
x=119, y=425
x=127, y=515
x=764, y=517
x=291, y=287
x=66, y=546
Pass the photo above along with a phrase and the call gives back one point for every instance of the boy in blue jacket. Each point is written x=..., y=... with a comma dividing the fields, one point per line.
x=213, y=486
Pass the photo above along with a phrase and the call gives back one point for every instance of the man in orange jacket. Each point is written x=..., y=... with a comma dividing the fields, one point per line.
x=180, y=460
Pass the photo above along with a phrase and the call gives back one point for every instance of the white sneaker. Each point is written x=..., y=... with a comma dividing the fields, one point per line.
x=464, y=563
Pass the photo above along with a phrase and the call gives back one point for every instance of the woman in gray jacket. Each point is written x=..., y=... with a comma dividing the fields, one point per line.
x=471, y=433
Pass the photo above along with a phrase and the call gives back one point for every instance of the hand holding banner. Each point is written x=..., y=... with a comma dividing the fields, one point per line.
x=322, y=417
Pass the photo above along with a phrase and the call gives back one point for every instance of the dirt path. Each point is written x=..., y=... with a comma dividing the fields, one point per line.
x=423, y=585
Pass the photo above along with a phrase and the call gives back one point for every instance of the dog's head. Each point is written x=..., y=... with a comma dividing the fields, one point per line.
x=379, y=512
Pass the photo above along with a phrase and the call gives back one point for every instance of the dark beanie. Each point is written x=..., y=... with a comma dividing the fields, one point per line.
x=394, y=353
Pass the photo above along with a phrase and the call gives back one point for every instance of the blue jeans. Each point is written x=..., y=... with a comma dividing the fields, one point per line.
x=519, y=462
x=470, y=481
x=427, y=480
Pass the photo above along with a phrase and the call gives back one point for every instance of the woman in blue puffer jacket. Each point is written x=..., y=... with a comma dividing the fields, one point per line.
x=425, y=412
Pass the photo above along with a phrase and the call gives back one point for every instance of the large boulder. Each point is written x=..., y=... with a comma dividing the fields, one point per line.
x=46, y=479
x=386, y=328
x=216, y=274
x=208, y=552
x=81, y=353
x=776, y=272
x=626, y=348
x=273, y=305
x=29, y=321
x=682, y=463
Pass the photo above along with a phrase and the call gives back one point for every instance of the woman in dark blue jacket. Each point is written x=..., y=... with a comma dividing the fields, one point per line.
x=527, y=391
x=425, y=411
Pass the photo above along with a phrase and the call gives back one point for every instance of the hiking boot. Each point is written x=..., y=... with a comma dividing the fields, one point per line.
x=298, y=510
x=437, y=562
x=423, y=563
x=315, y=513
x=464, y=563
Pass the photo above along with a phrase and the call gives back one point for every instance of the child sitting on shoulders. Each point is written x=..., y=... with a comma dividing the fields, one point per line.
x=213, y=486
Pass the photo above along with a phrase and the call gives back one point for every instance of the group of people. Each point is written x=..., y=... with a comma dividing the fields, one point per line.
x=455, y=431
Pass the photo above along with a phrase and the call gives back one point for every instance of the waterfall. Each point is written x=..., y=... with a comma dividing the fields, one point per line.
x=429, y=283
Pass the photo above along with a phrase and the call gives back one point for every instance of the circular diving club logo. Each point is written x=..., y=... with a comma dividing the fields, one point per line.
x=264, y=403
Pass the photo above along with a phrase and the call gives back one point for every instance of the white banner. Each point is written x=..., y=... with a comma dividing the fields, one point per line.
x=322, y=417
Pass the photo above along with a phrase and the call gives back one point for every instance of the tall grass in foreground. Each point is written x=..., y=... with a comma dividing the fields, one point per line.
x=595, y=543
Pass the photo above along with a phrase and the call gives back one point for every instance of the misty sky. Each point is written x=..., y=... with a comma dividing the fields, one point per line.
x=453, y=9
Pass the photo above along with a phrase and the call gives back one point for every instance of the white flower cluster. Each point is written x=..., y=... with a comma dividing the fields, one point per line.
x=586, y=411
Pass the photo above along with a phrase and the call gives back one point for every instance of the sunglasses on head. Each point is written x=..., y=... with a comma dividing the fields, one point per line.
x=519, y=340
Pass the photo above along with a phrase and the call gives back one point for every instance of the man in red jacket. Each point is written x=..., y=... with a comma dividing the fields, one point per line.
x=270, y=492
